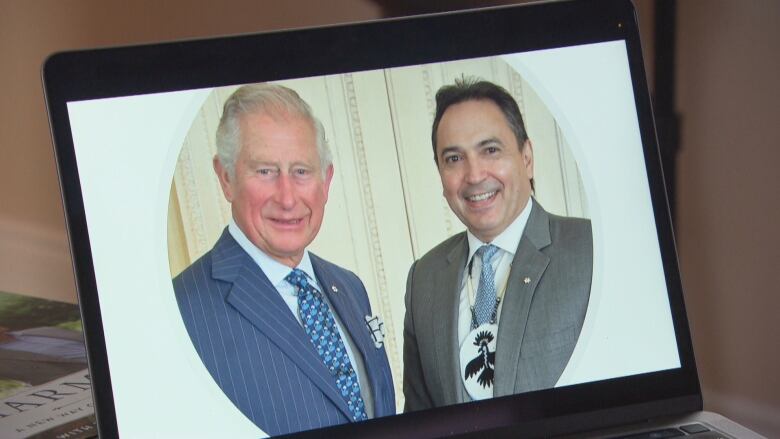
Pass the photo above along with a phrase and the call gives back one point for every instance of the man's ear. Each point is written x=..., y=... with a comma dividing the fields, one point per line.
x=327, y=180
x=225, y=180
x=528, y=158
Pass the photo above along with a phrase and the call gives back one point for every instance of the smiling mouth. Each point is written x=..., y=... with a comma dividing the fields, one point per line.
x=481, y=197
x=287, y=222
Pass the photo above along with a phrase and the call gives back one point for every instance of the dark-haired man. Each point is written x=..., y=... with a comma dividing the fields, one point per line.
x=496, y=310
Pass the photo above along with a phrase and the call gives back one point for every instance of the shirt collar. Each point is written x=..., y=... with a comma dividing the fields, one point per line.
x=509, y=239
x=274, y=270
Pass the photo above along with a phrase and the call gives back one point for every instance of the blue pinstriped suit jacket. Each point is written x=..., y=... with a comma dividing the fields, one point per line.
x=257, y=351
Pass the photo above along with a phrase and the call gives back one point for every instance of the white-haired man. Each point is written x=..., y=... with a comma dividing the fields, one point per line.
x=283, y=332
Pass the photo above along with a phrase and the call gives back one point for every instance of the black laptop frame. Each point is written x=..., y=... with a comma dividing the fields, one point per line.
x=102, y=73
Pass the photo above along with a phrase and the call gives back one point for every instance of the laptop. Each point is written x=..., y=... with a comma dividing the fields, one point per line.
x=134, y=132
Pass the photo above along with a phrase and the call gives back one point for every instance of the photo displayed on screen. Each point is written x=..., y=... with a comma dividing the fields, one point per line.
x=324, y=250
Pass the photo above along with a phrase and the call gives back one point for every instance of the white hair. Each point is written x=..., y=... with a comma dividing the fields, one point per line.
x=263, y=97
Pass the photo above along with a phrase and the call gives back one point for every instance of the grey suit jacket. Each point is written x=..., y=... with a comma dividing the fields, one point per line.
x=540, y=320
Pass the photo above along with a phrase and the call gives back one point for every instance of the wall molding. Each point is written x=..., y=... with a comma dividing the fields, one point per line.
x=35, y=261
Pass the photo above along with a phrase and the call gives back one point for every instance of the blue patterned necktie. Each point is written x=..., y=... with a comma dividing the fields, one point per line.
x=321, y=328
x=485, y=302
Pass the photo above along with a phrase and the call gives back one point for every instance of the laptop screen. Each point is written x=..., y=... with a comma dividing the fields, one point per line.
x=181, y=243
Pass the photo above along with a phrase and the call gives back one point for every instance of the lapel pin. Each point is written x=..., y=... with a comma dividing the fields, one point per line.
x=527, y=280
x=334, y=289
x=376, y=327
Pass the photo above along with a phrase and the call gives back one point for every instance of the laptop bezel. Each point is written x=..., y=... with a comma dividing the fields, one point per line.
x=124, y=71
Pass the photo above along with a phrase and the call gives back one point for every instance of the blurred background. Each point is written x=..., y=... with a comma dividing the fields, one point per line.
x=713, y=68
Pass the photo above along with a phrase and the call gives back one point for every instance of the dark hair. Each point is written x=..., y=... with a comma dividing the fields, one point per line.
x=474, y=89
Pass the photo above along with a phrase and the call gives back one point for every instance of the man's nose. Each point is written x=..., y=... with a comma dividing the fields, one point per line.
x=285, y=194
x=475, y=171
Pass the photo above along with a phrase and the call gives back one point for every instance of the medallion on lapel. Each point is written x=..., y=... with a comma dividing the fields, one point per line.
x=376, y=327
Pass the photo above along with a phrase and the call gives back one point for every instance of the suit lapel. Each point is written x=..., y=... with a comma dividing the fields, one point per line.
x=444, y=314
x=345, y=307
x=257, y=300
x=528, y=264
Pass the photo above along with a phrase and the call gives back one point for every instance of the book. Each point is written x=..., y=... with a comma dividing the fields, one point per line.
x=45, y=388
